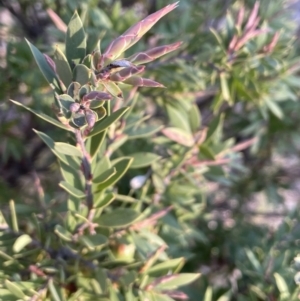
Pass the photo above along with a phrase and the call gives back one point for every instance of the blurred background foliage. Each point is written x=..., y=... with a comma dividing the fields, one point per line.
x=238, y=215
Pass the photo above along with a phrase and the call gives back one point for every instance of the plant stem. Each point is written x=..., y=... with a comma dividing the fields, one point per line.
x=86, y=167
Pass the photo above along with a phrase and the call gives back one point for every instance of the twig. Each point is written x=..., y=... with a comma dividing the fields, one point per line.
x=86, y=167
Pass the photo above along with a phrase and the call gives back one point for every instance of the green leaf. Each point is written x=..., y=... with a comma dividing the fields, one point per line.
x=282, y=286
x=15, y=290
x=21, y=242
x=224, y=87
x=82, y=74
x=179, y=136
x=63, y=233
x=44, y=116
x=95, y=143
x=206, y=152
x=254, y=261
x=104, y=201
x=72, y=190
x=160, y=269
x=70, y=172
x=142, y=132
x=119, y=217
x=107, y=121
x=178, y=117
x=274, y=108
x=74, y=162
x=75, y=40
x=53, y=290
x=208, y=294
x=143, y=159
x=214, y=125
x=65, y=100
x=100, y=165
x=175, y=281
x=62, y=67
x=106, y=175
x=194, y=118
x=121, y=167
x=93, y=241
x=45, y=68
x=100, y=18
x=67, y=149
x=113, y=89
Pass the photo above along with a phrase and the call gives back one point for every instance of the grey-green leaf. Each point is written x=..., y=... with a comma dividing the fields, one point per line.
x=121, y=167
x=143, y=159
x=107, y=174
x=72, y=190
x=45, y=68
x=117, y=218
x=82, y=74
x=75, y=40
x=44, y=116
x=63, y=233
x=143, y=132
x=109, y=120
x=175, y=281
x=67, y=149
x=62, y=67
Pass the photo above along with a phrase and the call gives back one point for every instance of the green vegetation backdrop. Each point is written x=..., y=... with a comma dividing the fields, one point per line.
x=152, y=160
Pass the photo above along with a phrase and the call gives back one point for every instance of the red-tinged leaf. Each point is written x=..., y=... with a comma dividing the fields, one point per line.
x=126, y=73
x=134, y=33
x=176, y=294
x=142, y=82
x=253, y=16
x=152, y=54
x=90, y=117
x=96, y=95
x=50, y=62
x=179, y=136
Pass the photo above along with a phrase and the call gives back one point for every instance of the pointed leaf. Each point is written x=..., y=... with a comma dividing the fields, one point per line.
x=67, y=149
x=143, y=132
x=44, y=116
x=194, y=118
x=113, y=89
x=45, y=68
x=107, y=174
x=95, y=143
x=104, y=201
x=143, y=159
x=152, y=54
x=75, y=41
x=179, y=136
x=174, y=281
x=137, y=81
x=21, y=242
x=108, y=121
x=173, y=265
x=72, y=190
x=53, y=290
x=119, y=217
x=62, y=67
x=121, y=167
x=72, y=161
x=126, y=73
x=134, y=33
x=15, y=290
